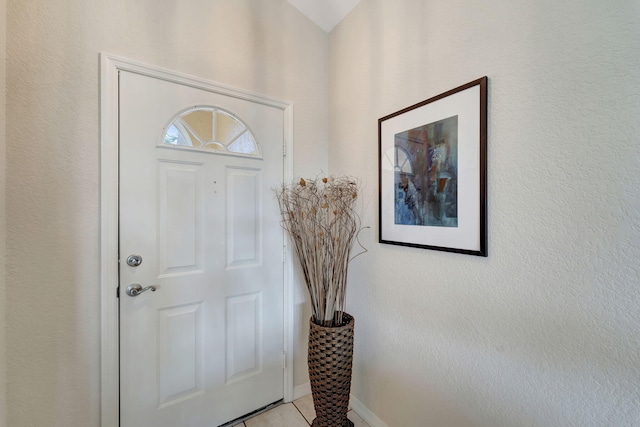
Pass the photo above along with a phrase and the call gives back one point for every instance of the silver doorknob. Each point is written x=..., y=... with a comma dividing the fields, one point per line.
x=135, y=289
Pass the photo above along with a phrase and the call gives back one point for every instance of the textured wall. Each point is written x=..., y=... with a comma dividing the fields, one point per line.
x=53, y=307
x=545, y=331
x=3, y=97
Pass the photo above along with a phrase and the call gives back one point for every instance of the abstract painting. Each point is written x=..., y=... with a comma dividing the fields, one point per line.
x=432, y=171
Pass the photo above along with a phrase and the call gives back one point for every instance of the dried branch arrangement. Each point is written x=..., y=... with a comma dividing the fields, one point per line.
x=321, y=219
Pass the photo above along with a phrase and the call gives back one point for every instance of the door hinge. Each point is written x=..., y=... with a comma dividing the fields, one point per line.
x=284, y=148
x=284, y=254
x=118, y=292
x=284, y=359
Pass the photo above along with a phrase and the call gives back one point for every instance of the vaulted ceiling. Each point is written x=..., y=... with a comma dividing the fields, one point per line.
x=325, y=13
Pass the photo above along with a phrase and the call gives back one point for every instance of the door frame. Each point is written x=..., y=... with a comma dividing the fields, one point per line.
x=110, y=65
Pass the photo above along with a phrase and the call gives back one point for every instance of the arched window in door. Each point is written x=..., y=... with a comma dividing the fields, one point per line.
x=210, y=129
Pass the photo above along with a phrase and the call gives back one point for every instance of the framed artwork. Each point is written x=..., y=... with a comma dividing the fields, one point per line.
x=433, y=172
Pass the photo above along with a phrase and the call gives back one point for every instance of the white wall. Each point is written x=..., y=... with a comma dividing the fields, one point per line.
x=545, y=331
x=53, y=310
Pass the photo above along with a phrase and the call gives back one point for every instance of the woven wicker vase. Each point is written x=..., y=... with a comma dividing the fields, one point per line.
x=330, y=358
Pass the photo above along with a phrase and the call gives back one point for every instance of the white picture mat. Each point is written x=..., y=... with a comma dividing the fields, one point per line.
x=466, y=105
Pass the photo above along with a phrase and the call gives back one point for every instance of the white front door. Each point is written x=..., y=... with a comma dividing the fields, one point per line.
x=206, y=347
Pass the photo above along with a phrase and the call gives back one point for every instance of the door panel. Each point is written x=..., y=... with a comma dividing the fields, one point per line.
x=244, y=355
x=206, y=346
x=180, y=353
x=181, y=217
x=243, y=227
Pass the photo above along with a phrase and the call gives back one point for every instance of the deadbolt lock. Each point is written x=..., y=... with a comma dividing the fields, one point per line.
x=134, y=260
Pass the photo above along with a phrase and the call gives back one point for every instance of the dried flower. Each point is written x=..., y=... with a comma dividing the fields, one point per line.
x=322, y=238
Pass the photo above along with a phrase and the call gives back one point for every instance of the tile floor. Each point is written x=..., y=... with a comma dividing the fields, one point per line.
x=300, y=413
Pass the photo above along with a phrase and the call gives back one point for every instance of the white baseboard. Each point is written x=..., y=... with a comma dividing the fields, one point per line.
x=364, y=413
x=301, y=390
x=358, y=407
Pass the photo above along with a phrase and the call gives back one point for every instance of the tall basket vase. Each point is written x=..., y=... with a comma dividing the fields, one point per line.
x=330, y=361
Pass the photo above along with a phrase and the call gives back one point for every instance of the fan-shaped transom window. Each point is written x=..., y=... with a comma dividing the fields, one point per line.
x=210, y=128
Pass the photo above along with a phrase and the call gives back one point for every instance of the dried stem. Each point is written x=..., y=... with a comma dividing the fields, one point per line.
x=321, y=219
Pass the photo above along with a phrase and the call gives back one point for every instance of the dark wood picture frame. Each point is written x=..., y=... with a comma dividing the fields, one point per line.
x=432, y=169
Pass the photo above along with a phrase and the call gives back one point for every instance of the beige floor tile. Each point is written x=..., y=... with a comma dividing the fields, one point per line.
x=305, y=406
x=357, y=421
x=282, y=416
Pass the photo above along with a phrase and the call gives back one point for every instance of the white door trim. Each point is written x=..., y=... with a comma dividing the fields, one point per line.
x=109, y=67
